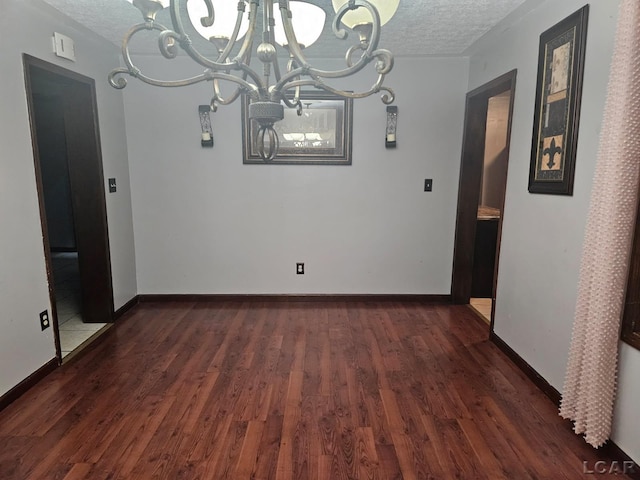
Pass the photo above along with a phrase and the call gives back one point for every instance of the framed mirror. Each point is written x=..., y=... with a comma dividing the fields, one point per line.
x=320, y=136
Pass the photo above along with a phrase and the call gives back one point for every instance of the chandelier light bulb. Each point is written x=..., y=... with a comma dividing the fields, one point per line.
x=308, y=23
x=361, y=16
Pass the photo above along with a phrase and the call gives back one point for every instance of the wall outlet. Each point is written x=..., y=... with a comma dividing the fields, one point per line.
x=44, y=320
x=300, y=268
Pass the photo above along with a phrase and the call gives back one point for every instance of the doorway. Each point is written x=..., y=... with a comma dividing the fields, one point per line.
x=481, y=194
x=68, y=166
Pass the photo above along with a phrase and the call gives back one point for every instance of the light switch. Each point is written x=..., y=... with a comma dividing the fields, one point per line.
x=112, y=185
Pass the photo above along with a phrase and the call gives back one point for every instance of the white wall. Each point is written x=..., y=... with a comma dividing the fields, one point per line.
x=543, y=234
x=206, y=223
x=27, y=27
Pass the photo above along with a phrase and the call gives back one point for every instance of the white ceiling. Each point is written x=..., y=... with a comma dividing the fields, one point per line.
x=419, y=27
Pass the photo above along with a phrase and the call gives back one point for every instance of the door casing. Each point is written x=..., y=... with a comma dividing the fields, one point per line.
x=84, y=156
x=470, y=183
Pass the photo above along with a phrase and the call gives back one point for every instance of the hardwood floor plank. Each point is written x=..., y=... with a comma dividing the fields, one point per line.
x=79, y=471
x=249, y=451
x=398, y=428
x=286, y=466
x=269, y=449
x=320, y=389
x=482, y=450
x=366, y=456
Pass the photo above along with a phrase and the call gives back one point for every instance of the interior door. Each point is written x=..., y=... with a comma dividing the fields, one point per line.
x=78, y=102
x=87, y=194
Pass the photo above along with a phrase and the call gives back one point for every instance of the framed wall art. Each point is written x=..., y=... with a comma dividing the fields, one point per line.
x=557, y=108
x=320, y=136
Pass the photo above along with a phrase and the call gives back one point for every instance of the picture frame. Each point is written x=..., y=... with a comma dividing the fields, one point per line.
x=557, y=108
x=320, y=136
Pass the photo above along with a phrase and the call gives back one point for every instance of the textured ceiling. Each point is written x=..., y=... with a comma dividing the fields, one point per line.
x=419, y=27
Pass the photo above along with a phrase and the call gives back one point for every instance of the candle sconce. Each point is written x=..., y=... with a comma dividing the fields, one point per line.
x=205, y=123
x=392, y=122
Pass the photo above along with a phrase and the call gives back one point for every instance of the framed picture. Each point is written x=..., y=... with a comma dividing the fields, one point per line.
x=557, y=109
x=320, y=136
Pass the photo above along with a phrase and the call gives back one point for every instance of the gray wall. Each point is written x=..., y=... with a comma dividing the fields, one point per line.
x=28, y=26
x=542, y=234
x=206, y=223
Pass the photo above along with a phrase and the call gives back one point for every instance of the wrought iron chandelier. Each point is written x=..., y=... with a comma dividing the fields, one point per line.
x=271, y=89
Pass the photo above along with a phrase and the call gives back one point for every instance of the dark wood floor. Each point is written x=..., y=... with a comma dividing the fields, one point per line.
x=290, y=390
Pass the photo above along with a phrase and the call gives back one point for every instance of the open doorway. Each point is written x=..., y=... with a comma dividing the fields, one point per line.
x=69, y=177
x=481, y=196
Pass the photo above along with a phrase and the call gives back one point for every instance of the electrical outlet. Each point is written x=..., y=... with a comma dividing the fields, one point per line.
x=44, y=320
x=300, y=268
x=428, y=184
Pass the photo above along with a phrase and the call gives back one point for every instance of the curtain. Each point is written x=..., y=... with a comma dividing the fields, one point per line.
x=590, y=381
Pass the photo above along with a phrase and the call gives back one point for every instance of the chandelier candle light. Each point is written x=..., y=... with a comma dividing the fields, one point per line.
x=224, y=23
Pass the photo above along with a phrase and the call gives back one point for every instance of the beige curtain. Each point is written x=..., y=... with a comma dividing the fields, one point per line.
x=590, y=381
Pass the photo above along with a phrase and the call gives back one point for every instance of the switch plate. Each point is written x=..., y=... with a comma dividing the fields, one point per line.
x=300, y=268
x=44, y=320
x=428, y=184
x=112, y=185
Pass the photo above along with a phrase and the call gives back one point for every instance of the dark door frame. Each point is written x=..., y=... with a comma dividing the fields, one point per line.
x=88, y=196
x=471, y=165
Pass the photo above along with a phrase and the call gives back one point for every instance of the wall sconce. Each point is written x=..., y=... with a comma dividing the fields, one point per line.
x=392, y=122
x=205, y=123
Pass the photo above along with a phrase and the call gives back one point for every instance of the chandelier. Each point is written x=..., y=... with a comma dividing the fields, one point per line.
x=233, y=27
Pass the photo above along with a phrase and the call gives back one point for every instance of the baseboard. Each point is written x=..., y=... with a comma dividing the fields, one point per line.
x=17, y=391
x=144, y=298
x=618, y=459
x=527, y=369
x=126, y=307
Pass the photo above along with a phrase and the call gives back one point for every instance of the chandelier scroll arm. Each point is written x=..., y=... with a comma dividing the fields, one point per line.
x=383, y=66
x=294, y=47
x=295, y=101
x=115, y=80
x=236, y=30
x=186, y=44
x=167, y=44
x=387, y=98
x=149, y=25
x=219, y=99
x=339, y=32
x=245, y=49
x=118, y=82
x=210, y=18
x=369, y=49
